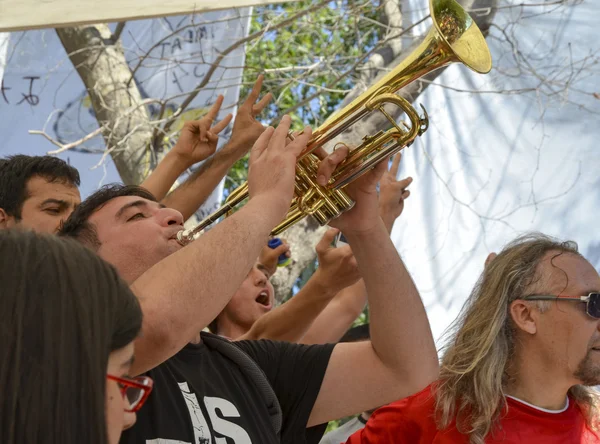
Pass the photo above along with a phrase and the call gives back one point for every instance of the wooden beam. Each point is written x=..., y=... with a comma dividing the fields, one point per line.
x=18, y=15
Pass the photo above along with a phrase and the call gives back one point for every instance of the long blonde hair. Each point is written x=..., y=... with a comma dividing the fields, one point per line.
x=473, y=370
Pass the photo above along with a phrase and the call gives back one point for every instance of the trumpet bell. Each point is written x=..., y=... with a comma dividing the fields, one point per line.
x=461, y=34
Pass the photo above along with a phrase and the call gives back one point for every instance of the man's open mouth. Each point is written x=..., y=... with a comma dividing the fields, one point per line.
x=263, y=298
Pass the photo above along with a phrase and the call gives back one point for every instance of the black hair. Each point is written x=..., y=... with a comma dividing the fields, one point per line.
x=62, y=311
x=357, y=334
x=78, y=225
x=16, y=171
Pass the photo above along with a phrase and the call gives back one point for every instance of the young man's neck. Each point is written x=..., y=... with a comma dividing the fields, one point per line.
x=231, y=330
x=197, y=340
x=537, y=383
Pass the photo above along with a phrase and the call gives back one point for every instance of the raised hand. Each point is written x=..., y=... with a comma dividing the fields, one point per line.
x=246, y=129
x=270, y=256
x=198, y=139
x=365, y=214
x=392, y=193
x=272, y=169
x=338, y=268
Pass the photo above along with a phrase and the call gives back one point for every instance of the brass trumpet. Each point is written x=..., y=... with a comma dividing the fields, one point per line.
x=454, y=37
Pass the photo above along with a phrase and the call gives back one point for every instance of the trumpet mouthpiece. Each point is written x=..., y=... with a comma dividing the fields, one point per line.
x=184, y=238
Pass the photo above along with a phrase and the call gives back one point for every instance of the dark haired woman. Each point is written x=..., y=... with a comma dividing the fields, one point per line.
x=67, y=325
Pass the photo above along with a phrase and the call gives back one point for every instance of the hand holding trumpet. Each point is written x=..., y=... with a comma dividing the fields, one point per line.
x=272, y=166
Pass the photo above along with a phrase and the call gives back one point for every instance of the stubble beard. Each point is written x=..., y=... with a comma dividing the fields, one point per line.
x=588, y=371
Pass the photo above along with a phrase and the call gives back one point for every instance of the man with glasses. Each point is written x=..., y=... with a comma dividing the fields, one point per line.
x=522, y=360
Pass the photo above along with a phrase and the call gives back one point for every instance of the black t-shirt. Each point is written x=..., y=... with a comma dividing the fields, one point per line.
x=201, y=397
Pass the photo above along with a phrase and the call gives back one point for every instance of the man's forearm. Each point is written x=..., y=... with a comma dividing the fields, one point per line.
x=164, y=176
x=184, y=292
x=290, y=321
x=190, y=195
x=338, y=316
x=400, y=332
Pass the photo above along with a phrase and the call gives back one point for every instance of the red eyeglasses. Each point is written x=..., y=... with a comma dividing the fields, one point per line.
x=135, y=390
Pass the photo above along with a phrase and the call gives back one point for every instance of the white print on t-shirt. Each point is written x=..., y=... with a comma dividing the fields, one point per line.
x=202, y=433
x=223, y=427
x=199, y=424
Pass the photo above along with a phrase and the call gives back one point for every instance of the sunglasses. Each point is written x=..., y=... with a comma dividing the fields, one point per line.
x=135, y=390
x=592, y=301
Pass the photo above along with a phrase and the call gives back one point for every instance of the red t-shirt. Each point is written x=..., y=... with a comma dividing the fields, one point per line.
x=411, y=421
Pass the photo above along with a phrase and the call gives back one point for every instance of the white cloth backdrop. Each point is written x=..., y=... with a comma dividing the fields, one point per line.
x=495, y=165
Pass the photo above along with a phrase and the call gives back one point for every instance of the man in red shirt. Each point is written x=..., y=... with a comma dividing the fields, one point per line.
x=519, y=366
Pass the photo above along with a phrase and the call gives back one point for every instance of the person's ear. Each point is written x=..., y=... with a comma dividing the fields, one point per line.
x=489, y=259
x=524, y=316
x=6, y=221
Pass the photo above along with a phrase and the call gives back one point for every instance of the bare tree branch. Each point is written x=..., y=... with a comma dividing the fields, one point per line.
x=68, y=146
x=118, y=30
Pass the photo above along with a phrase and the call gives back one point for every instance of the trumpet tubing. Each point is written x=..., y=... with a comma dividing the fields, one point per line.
x=454, y=37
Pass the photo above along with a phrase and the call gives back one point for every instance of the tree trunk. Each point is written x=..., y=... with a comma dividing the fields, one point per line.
x=304, y=236
x=102, y=66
